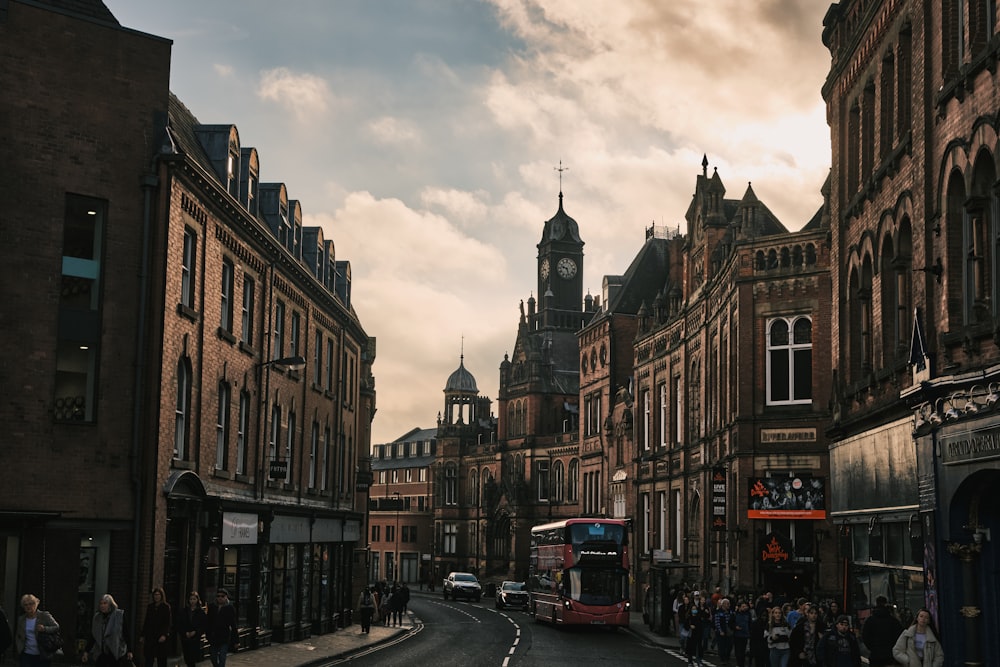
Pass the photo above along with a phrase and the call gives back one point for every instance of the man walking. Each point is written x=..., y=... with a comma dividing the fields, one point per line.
x=880, y=633
x=223, y=632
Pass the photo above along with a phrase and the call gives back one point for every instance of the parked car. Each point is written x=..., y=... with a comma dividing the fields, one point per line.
x=462, y=585
x=512, y=594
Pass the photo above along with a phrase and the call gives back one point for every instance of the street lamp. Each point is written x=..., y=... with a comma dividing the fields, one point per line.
x=295, y=363
x=395, y=558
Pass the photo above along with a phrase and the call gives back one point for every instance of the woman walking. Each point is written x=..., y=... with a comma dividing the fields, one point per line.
x=919, y=646
x=777, y=637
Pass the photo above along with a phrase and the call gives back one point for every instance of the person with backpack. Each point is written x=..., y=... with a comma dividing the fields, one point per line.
x=368, y=608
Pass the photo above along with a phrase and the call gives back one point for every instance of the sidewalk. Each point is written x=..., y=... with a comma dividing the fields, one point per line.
x=337, y=644
x=638, y=627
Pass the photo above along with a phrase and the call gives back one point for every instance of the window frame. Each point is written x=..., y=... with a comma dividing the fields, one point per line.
x=189, y=256
x=793, y=350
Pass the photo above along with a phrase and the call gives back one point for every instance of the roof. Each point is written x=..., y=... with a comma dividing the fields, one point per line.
x=93, y=10
x=461, y=380
x=644, y=278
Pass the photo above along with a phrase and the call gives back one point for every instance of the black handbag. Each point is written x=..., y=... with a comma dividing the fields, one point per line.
x=50, y=641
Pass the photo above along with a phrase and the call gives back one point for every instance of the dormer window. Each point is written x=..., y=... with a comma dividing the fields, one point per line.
x=284, y=230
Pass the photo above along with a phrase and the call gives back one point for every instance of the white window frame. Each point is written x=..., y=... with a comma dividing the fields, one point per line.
x=791, y=348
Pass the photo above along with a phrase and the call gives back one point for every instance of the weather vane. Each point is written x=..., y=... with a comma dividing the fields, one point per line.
x=560, y=169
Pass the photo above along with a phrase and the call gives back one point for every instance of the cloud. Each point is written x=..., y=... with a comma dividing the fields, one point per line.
x=304, y=94
x=394, y=131
x=223, y=70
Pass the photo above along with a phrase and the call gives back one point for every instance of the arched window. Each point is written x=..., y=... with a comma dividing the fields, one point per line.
x=182, y=410
x=558, y=482
x=450, y=484
x=789, y=361
x=981, y=230
x=573, y=487
x=473, y=488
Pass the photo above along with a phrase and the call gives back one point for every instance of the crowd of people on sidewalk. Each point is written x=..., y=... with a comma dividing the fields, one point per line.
x=37, y=636
x=383, y=602
x=803, y=633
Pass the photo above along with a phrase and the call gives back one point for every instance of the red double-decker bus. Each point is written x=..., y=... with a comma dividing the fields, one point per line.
x=578, y=573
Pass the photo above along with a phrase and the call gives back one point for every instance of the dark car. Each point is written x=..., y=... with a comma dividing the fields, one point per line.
x=462, y=585
x=512, y=594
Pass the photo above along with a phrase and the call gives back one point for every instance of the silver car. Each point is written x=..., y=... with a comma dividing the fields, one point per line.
x=512, y=594
x=462, y=585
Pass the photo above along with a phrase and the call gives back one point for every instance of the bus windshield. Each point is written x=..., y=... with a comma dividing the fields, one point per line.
x=596, y=586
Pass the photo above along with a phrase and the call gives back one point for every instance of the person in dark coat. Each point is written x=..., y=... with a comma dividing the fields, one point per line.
x=191, y=622
x=880, y=633
x=107, y=645
x=221, y=629
x=156, y=630
x=742, y=620
x=699, y=623
x=6, y=636
x=759, y=652
x=839, y=647
x=803, y=643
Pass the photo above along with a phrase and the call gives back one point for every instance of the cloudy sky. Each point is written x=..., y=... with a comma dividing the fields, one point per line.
x=423, y=136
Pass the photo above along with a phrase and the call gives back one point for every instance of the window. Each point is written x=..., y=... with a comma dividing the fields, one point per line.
x=278, y=351
x=313, y=455
x=182, y=410
x=289, y=444
x=664, y=416
x=375, y=533
x=789, y=361
x=222, y=427
x=78, y=346
x=318, y=358
x=324, y=481
x=450, y=538
x=662, y=532
x=328, y=375
x=294, y=335
x=677, y=409
x=187, y=267
x=423, y=475
x=542, y=479
x=558, y=482
x=246, y=328
x=390, y=533
x=226, y=297
x=275, y=432
x=646, y=415
x=647, y=523
x=573, y=490
x=409, y=474
x=473, y=488
x=450, y=485
x=242, y=433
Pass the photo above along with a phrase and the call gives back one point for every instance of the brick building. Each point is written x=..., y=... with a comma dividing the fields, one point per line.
x=729, y=394
x=198, y=358
x=912, y=98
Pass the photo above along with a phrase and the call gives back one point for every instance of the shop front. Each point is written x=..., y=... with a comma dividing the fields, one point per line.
x=965, y=460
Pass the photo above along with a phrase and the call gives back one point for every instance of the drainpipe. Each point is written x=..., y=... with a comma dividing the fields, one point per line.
x=148, y=183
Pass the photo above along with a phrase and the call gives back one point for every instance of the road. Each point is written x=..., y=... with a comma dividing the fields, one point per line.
x=470, y=633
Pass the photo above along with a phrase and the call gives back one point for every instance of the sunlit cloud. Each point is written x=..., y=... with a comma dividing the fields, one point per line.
x=394, y=131
x=303, y=94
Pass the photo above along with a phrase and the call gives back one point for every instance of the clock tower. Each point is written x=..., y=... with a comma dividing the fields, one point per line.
x=560, y=273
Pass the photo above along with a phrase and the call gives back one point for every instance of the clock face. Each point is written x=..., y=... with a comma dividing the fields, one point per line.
x=544, y=270
x=566, y=268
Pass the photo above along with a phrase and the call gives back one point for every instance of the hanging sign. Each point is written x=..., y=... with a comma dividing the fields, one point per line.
x=718, y=499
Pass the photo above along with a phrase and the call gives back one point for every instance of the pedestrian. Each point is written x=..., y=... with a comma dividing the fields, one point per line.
x=107, y=644
x=406, y=596
x=191, y=624
x=156, y=630
x=741, y=631
x=397, y=605
x=839, y=647
x=699, y=620
x=880, y=632
x=27, y=635
x=777, y=637
x=221, y=629
x=385, y=606
x=797, y=613
x=6, y=636
x=804, y=639
x=680, y=599
x=918, y=645
x=763, y=605
x=760, y=654
x=367, y=608
x=723, y=624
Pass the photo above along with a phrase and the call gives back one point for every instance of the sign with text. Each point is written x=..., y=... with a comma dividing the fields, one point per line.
x=775, y=550
x=239, y=528
x=277, y=470
x=802, y=497
x=718, y=499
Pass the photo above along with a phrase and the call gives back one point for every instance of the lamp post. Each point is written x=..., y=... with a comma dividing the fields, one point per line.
x=395, y=557
x=295, y=363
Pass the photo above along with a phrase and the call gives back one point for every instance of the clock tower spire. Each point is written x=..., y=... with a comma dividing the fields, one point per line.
x=560, y=269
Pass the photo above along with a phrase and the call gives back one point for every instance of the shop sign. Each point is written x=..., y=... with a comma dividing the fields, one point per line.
x=802, y=497
x=967, y=446
x=363, y=480
x=776, y=550
x=277, y=469
x=328, y=530
x=352, y=531
x=718, y=499
x=239, y=528
x=289, y=530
